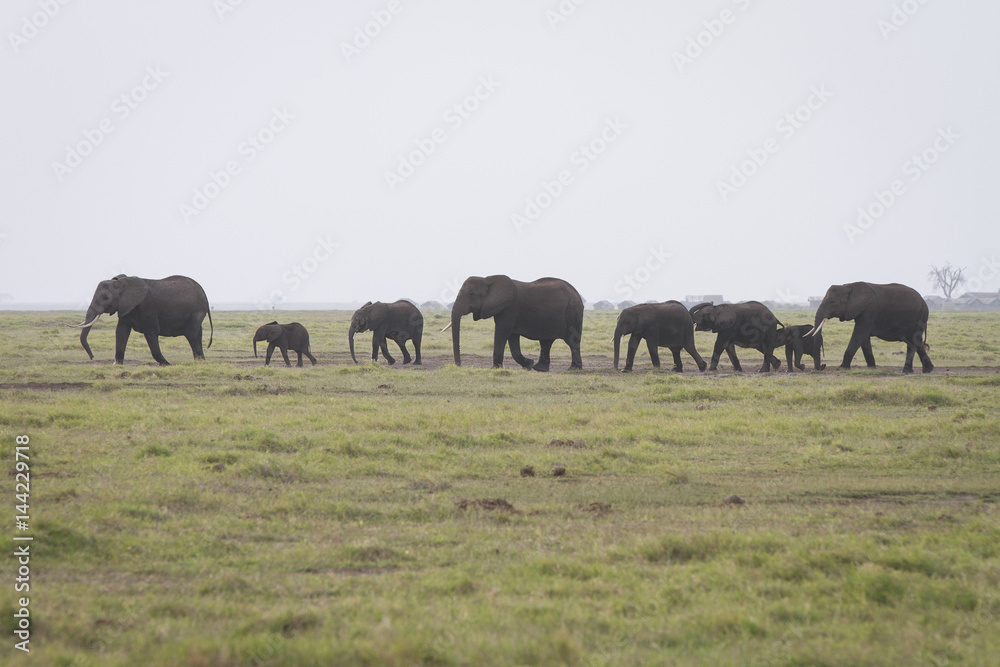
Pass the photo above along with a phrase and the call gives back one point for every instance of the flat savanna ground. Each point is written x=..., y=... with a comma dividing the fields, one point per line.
x=223, y=513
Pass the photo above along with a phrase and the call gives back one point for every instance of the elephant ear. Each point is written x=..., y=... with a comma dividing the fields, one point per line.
x=725, y=318
x=500, y=294
x=377, y=314
x=273, y=331
x=133, y=292
x=859, y=299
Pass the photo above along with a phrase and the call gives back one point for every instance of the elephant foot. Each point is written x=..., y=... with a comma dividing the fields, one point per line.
x=627, y=369
x=928, y=368
x=539, y=368
x=907, y=370
x=821, y=368
x=391, y=361
x=576, y=367
x=842, y=367
x=417, y=363
x=702, y=367
x=801, y=367
x=678, y=369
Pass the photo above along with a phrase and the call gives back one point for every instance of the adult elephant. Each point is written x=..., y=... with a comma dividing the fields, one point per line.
x=748, y=324
x=666, y=324
x=891, y=312
x=174, y=306
x=544, y=310
x=399, y=321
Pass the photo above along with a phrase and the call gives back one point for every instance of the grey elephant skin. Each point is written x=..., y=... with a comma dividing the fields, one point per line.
x=546, y=310
x=666, y=324
x=749, y=324
x=398, y=321
x=173, y=306
x=797, y=344
x=892, y=312
x=292, y=336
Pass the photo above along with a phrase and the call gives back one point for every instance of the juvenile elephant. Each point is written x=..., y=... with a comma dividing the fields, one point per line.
x=174, y=306
x=748, y=324
x=797, y=344
x=544, y=310
x=399, y=321
x=667, y=324
x=285, y=337
x=891, y=312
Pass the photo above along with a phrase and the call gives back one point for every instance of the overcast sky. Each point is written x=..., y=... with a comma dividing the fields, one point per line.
x=292, y=152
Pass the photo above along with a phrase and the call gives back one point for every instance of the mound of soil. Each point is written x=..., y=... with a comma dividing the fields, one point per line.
x=498, y=504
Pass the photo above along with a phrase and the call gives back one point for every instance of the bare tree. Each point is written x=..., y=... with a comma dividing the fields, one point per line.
x=947, y=278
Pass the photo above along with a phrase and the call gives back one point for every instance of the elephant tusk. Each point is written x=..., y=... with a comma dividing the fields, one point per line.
x=816, y=329
x=86, y=324
x=446, y=328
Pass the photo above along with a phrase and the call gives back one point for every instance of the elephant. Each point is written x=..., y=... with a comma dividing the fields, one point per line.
x=544, y=310
x=748, y=324
x=292, y=336
x=666, y=324
x=891, y=312
x=399, y=321
x=797, y=343
x=173, y=306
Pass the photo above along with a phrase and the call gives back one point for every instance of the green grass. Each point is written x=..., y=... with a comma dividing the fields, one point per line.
x=223, y=513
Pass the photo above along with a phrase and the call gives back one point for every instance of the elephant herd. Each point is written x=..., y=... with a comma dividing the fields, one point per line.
x=546, y=310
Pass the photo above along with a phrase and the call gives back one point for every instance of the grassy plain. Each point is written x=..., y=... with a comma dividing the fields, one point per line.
x=222, y=513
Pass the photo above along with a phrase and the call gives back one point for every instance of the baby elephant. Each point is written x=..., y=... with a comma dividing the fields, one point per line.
x=285, y=337
x=399, y=321
x=796, y=342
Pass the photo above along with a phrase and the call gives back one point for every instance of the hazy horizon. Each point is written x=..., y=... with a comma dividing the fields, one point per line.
x=297, y=154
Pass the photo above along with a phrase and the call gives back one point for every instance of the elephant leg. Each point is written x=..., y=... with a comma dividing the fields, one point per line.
x=417, y=336
x=193, y=335
x=153, y=340
x=270, y=351
x=633, y=344
x=544, y=355
x=852, y=349
x=818, y=364
x=573, y=340
x=284, y=354
x=385, y=351
x=789, y=353
x=678, y=364
x=299, y=353
x=731, y=351
x=500, y=337
x=866, y=349
x=925, y=359
x=693, y=351
x=720, y=346
x=653, y=345
x=768, y=359
x=401, y=343
x=122, y=332
x=309, y=354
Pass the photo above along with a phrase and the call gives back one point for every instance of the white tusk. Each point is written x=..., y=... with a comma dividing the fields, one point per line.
x=815, y=330
x=87, y=324
x=446, y=328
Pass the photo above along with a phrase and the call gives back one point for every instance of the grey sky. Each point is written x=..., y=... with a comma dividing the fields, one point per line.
x=609, y=122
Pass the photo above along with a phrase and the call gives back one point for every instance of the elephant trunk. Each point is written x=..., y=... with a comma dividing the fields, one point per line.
x=619, y=331
x=696, y=308
x=255, y=347
x=92, y=316
x=456, y=325
x=350, y=341
x=822, y=315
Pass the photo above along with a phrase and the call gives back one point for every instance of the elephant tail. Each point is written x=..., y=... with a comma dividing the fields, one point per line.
x=211, y=329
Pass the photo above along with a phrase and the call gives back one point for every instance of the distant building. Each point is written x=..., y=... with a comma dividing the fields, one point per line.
x=814, y=302
x=604, y=305
x=625, y=304
x=432, y=305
